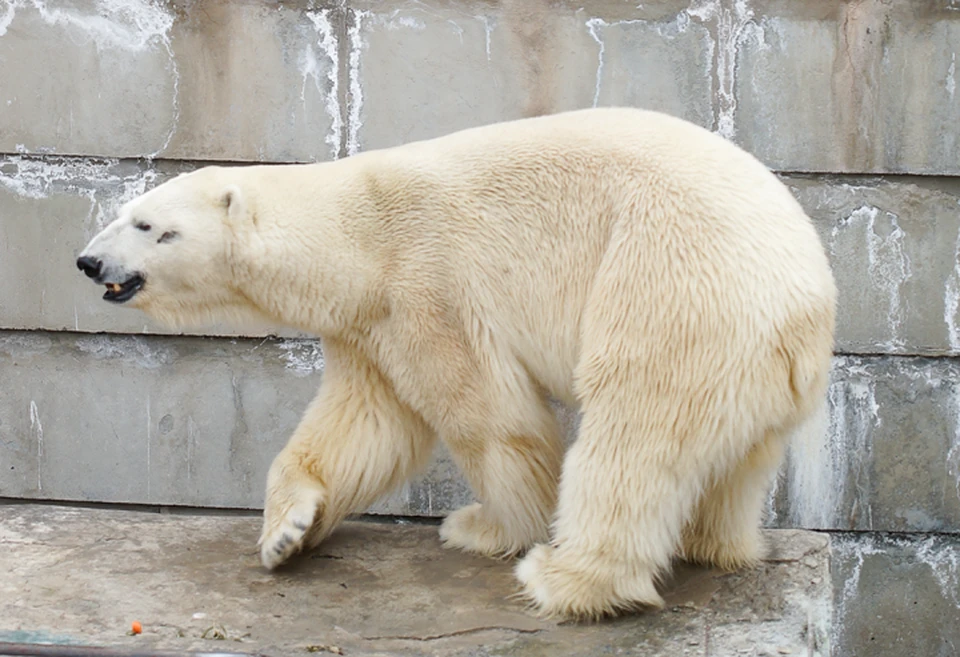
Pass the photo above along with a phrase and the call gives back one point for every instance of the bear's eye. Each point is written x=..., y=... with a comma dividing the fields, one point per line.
x=168, y=236
x=142, y=226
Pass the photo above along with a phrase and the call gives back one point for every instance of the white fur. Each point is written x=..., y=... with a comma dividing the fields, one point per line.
x=629, y=263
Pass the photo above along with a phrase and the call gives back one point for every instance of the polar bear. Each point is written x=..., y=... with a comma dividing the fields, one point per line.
x=640, y=268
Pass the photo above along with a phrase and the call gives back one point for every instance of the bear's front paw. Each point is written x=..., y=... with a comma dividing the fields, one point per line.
x=289, y=525
x=470, y=529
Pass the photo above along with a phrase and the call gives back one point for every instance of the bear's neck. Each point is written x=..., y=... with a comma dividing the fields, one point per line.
x=309, y=275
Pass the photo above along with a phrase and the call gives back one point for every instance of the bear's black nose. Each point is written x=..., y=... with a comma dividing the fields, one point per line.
x=89, y=266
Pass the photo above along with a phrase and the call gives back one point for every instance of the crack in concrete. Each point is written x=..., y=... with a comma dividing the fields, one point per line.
x=454, y=633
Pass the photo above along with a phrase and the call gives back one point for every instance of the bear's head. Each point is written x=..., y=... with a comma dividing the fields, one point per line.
x=168, y=251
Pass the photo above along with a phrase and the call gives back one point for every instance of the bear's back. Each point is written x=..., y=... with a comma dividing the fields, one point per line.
x=512, y=223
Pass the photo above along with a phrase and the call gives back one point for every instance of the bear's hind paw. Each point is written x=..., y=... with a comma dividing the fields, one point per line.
x=559, y=588
x=469, y=529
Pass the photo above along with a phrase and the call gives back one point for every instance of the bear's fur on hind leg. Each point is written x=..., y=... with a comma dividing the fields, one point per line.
x=628, y=263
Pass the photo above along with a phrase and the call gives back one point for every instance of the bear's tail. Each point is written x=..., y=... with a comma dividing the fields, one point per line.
x=807, y=344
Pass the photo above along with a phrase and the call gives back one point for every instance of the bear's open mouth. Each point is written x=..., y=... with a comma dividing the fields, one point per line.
x=120, y=292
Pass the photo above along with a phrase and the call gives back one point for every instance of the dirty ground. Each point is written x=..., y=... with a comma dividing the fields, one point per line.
x=82, y=576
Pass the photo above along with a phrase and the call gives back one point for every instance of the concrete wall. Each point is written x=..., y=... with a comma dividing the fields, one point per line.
x=854, y=104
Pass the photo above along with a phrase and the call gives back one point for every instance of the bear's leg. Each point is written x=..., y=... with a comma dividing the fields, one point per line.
x=514, y=474
x=628, y=488
x=725, y=529
x=355, y=443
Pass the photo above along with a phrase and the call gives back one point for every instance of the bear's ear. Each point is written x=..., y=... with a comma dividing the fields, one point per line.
x=233, y=203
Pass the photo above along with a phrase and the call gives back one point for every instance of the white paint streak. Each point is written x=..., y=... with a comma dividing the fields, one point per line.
x=888, y=266
x=457, y=29
x=811, y=475
x=941, y=555
x=37, y=428
x=930, y=378
x=952, y=76
x=149, y=424
x=833, y=452
x=31, y=179
x=191, y=445
x=667, y=29
x=772, y=518
x=405, y=22
x=672, y=29
x=887, y=262
x=310, y=68
x=355, y=101
x=951, y=300
x=97, y=181
x=10, y=10
x=592, y=26
x=134, y=349
x=488, y=32
x=953, y=456
x=303, y=356
x=175, y=119
x=730, y=25
x=858, y=552
x=944, y=562
x=130, y=26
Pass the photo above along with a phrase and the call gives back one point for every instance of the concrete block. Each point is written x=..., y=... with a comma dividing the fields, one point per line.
x=894, y=245
x=895, y=595
x=746, y=70
x=885, y=456
x=293, y=81
x=865, y=87
x=148, y=420
x=167, y=420
x=197, y=421
x=422, y=69
x=209, y=80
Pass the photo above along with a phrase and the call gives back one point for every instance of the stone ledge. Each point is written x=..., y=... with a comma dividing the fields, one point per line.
x=81, y=576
